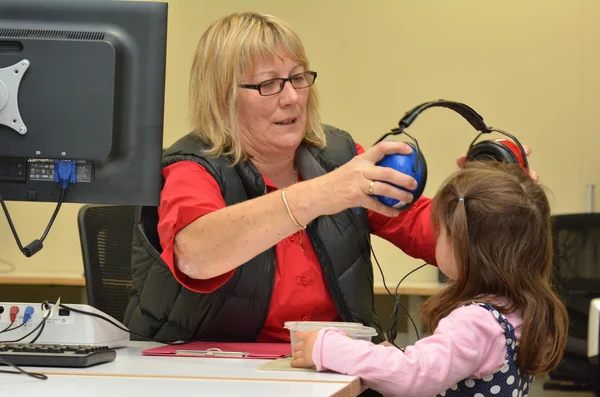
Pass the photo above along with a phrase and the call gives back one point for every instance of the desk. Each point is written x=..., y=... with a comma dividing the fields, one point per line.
x=411, y=289
x=76, y=280
x=134, y=374
x=423, y=289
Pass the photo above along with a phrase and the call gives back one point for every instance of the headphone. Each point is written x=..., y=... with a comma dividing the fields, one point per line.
x=504, y=150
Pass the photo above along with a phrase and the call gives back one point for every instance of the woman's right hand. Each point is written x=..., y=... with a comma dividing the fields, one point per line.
x=353, y=184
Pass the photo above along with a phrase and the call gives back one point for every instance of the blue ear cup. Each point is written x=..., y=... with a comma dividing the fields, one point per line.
x=410, y=164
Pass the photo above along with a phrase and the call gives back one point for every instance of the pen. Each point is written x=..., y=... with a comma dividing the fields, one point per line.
x=213, y=352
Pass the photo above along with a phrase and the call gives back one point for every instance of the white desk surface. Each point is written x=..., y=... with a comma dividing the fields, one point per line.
x=67, y=386
x=134, y=374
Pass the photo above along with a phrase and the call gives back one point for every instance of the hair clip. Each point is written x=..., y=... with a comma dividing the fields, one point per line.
x=461, y=199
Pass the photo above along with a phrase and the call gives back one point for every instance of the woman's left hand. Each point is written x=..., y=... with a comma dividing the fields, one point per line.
x=461, y=161
x=303, y=349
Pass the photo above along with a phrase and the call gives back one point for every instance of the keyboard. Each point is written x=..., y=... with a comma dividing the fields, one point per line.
x=42, y=355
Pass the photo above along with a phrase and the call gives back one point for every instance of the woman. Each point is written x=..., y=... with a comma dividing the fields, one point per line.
x=266, y=214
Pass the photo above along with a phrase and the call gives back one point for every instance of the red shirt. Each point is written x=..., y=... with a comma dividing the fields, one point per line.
x=300, y=291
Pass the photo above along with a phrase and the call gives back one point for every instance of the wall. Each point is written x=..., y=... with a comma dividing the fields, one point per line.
x=528, y=67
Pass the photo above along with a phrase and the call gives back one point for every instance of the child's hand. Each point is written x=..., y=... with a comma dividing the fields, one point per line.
x=303, y=349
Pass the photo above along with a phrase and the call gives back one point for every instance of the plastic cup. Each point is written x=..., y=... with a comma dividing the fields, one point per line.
x=353, y=330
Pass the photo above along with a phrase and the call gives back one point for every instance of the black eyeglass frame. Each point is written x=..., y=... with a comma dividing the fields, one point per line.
x=283, y=81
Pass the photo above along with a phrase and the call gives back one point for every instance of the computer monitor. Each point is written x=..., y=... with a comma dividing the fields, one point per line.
x=84, y=81
x=82, y=90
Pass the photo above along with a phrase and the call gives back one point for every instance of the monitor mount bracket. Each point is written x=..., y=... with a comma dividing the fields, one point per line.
x=10, y=79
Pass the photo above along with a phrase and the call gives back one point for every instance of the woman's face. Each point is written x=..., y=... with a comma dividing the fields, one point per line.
x=272, y=125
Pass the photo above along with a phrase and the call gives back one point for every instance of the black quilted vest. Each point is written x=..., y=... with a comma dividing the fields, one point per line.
x=161, y=309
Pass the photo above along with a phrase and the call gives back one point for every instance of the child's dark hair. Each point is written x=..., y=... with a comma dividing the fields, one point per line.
x=501, y=235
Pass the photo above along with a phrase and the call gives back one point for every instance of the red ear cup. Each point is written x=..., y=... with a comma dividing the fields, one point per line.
x=515, y=150
x=499, y=149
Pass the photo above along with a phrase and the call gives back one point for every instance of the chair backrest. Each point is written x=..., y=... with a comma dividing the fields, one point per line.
x=147, y=221
x=106, y=236
x=577, y=265
x=577, y=249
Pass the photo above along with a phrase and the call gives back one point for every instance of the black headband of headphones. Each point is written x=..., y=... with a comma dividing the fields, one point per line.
x=467, y=112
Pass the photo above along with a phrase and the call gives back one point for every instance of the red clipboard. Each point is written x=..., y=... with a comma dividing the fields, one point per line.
x=223, y=350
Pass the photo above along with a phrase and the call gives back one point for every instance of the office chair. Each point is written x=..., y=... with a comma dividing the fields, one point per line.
x=594, y=339
x=106, y=234
x=577, y=275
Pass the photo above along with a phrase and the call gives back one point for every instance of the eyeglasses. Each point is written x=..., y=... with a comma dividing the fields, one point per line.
x=275, y=86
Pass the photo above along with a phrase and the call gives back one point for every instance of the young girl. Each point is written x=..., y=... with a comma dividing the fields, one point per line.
x=496, y=325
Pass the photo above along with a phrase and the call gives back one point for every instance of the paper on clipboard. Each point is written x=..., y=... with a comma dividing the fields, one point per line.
x=223, y=350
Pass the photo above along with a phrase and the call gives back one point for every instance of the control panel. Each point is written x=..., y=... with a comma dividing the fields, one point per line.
x=62, y=326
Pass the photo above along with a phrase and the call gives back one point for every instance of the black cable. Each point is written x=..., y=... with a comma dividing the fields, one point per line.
x=20, y=371
x=25, y=336
x=53, y=218
x=40, y=325
x=396, y=311
x=391, y=328
x=381, y=272
x=41, y=329
x=6, y=329
x=12, y=329
x=392, y=325
x=11, y=224
x=36, y=245
x=391, y=333
x=108, y=320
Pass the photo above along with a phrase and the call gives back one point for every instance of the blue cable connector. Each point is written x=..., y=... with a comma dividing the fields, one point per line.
x=27, y=314
x=65, y=172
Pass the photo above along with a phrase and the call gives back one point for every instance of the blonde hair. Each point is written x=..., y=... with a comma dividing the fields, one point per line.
x=228, y=48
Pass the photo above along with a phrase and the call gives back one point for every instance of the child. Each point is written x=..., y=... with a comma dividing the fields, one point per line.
x=495, y=245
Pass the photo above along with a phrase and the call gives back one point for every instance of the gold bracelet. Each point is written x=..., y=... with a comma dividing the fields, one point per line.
x=290, y=212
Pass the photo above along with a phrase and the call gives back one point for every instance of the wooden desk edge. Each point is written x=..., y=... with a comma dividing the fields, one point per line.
x=39, y=280
x=423, y=290
x=352, y=389
x=354, y=383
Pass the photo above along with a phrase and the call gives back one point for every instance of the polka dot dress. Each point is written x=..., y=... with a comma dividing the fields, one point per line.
x=507, y=382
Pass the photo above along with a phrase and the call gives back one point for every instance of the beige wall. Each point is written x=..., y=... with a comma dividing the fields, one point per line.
x=529, y=67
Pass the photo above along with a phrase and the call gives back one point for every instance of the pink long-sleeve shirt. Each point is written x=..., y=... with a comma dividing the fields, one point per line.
x=468, y=343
